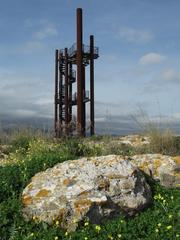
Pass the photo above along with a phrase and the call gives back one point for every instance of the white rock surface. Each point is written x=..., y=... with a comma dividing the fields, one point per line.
x=135, y=140
x=165, y=169
x=94, y=188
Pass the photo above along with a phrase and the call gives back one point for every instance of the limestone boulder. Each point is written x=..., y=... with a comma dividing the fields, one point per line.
x=135, y=140
x=165, y=169
x=89, y=188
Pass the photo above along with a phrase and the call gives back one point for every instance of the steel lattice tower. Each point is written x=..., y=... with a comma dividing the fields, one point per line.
x=79, y=56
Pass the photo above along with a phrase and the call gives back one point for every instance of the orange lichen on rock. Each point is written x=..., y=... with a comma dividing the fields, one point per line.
x=82, y=202
x=26, y=200
x=177, y=160
x=68, y=181
x=42, y=193
x=82, y=205
x=84, y=194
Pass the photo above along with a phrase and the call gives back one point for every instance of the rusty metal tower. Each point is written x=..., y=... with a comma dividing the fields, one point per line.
x=78, y=56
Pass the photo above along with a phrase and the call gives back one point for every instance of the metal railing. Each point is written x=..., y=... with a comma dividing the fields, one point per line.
x=85, y=48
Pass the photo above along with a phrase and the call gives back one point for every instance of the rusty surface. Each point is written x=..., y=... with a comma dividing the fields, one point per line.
x=91, y=85
x=79, y=59
x=56, y=94
x=60, y=94
x=84, y=103
x=66, y=102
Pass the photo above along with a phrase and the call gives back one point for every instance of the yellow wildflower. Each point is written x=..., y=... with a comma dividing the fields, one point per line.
x=159, y=224
x=56, y=238
x=66, y=233
x=119, y=235
x=86, y=224
x=57, y=222
x=169, y=227
x=156, y=230
x=110, y=237
x=98, y=228
x=170, y=216
x=85, y=238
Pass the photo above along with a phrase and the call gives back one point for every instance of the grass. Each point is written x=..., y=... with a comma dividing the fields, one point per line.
x=30, y=154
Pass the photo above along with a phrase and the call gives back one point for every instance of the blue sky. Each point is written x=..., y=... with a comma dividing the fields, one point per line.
x=138, y=67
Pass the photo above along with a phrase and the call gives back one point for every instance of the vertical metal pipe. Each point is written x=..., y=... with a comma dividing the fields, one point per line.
x=70, y=92
x=66, y=91
x=60, y=93
x=84, y=103
x=56, y=95
x=92, y=84
x=79, y=61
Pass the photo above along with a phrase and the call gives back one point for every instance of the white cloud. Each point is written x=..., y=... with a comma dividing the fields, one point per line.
x=135, y=35
x=170, y=75
x=151, y=58
x=42, y=28
x=25, y=113
x=31, y=46
x=164, y=81
x=29, y=22
x=47, y=30
x=20, y=95
x=44, y=101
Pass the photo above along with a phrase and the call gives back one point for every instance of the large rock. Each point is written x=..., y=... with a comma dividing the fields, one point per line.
x=94, y=188
x=135, y=140
x=160, y=167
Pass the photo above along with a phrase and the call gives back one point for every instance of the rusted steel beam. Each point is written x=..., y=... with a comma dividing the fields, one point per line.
x=84, y=103
x=60, y=92
x=92, y=84
x=79, y=61
x=56, y=95
x=66, y=91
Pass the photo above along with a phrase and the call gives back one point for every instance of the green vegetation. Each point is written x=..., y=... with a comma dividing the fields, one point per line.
x=28, y=155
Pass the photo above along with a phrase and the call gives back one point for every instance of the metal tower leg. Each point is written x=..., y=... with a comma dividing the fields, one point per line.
x=66, y=92
x=70, y=97
x=79, y=60
x=60, y=93
x=56, y=95
x=92, y=84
